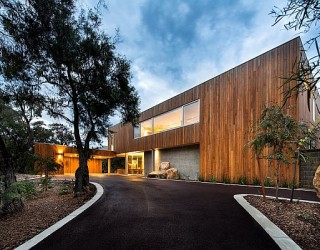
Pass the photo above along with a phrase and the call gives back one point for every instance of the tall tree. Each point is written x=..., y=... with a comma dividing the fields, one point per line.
x=61, y=134
x=280, y=139
x=303, y=16
x=64, y=50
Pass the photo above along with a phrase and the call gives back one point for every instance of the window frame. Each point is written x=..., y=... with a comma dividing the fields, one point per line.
x=172, y=110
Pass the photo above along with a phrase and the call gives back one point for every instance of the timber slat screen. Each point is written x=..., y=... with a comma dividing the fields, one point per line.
x=229, y=103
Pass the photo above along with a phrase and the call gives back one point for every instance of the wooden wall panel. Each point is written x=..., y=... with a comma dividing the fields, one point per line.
x=229, y=103
x=62, y=154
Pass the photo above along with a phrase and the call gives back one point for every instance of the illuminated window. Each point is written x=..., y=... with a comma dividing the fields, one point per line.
x=169, y=120
x=146, y=128
x=191, y=113
x=183, y=116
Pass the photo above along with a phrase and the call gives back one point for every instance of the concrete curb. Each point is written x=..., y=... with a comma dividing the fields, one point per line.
x=36, y=239
x=228, y=184
x=282, y=239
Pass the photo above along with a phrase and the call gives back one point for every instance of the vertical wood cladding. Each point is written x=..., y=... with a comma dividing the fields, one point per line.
x=65, y=156
x=229, y=103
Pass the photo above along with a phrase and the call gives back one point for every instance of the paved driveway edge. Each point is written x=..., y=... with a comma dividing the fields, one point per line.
x=36, y=239
x=281, y=238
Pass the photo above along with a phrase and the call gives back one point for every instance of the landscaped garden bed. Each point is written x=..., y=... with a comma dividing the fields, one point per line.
x=40, y=212
x=299, y=220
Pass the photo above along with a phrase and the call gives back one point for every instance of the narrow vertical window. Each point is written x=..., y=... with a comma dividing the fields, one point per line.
x=136, y=131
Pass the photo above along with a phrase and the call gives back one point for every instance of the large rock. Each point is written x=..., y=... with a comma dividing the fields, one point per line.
x=172, y=173
x=316, y=181
x=157, y=174
x=164, y=166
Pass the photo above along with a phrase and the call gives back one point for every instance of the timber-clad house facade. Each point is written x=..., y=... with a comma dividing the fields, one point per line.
x=203, y=131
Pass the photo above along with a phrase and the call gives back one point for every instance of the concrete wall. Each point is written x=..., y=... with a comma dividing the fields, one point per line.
x=308, y=168
x=148, y=162
x=185, y=159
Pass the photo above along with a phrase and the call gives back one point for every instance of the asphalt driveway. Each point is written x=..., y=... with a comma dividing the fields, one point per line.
x=137, y=213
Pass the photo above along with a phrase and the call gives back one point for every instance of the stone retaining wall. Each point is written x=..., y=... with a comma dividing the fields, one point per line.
x=308, y=168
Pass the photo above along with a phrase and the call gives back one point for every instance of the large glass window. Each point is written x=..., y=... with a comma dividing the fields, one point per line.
x=183, y=116
x=168, y=120
x=191, y=113
x=146, y=128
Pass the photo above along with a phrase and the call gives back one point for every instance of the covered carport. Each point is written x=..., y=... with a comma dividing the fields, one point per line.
x=69, y=159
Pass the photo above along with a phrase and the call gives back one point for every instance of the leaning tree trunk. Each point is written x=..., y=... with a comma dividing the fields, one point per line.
x=277, y=180
x=81, y=176
x=294, y=176
x=263, y=190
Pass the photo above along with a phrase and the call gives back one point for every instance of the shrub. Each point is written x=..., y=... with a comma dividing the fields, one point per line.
x=46, y=183
x=64, y=189
x=256, y=181
x=243, y=180
x=287, y=184
x=226, y=179
x=268, y=182
x=213, y=179
x=20, y=190
x=200, y=178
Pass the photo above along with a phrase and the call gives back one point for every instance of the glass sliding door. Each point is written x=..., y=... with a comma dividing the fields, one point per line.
x=135, y=163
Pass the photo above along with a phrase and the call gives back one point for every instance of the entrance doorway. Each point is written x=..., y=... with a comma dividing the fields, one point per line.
x=135, y=163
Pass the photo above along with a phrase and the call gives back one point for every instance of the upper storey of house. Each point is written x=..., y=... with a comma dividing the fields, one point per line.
x=218, y=111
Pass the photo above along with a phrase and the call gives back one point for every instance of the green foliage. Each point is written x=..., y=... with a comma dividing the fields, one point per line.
x=46, y=182
x=268, y=182
x=287, y=184
x=226, y=179
x=16, y=132
x=213, y=179
x=65, y=189
x=20, y=191
x=46, y=165
x=280, y=133
x=200, y=178
x=70, y=55
x=61, y=134
x=243, y=180
x=256, y=181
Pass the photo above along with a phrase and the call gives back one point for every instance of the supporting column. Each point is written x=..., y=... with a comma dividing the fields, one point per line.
x=152, y=159
x=126, y=164
x=109, y=166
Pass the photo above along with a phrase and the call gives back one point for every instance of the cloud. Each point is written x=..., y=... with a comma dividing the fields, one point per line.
x=175, y=45
x=152, y=88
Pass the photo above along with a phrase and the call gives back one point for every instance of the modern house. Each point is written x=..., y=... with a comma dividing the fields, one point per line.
x=203, y=131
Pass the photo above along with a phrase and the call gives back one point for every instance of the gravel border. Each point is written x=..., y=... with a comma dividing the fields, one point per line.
x=281, y=238
x=36, y=239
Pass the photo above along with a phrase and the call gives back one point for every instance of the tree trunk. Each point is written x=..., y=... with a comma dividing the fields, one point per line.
x=294, y=176
x=7, y=170
x=82, y=176
x=6, y=165
x=277, y=180
x=263, y=190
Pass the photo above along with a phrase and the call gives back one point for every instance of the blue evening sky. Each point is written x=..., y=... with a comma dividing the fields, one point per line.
x=174, y=45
